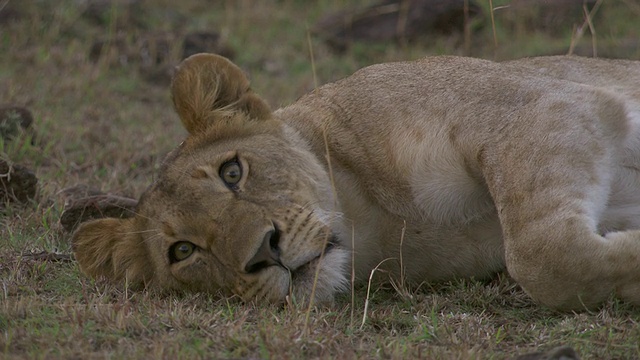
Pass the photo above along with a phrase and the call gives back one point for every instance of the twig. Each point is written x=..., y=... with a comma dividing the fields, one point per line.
x=578, y=31
x=353, y=271
x=493, y=27
x=47, y=256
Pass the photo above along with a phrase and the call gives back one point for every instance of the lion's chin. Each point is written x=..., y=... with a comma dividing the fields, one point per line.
x=321, y=278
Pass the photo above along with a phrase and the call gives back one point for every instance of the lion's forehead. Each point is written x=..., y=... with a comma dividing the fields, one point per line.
x=191, y=202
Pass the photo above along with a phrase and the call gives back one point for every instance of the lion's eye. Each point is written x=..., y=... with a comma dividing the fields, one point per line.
x=231, y=173
x=180, y=251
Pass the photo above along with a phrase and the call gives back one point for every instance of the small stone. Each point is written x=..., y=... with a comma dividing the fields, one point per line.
x=558, y=353
x=395, y=20
x=17, y=183
x=205, y=42
x=14, y=120
x=125, y=13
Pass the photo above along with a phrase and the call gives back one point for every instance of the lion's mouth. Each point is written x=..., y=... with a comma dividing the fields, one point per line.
x=310, y=265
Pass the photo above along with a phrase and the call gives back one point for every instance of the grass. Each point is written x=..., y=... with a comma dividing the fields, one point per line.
x=106, y=125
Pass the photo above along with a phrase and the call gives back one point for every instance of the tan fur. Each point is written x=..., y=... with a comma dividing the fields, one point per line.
x=459, y=166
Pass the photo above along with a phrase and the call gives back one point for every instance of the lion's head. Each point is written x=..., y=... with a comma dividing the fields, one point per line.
x=241, y=207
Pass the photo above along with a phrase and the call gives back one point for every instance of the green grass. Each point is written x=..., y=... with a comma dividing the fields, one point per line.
x=103, y=124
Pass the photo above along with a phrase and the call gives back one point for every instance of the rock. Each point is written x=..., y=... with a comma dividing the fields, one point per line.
x=82, y=203
x=151, y=53
x=114, y=50
x=395, y=20
x=205, y=42
x=557, y=353
x=626, y=48
x=14, y=121
x=159, y=75
x=145, y=49
x=128, y=13
x=550, y=16
x=17, y=183
x=11, y=11
x=154, y=53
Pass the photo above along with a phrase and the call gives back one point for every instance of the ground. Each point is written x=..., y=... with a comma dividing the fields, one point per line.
x=94, y=75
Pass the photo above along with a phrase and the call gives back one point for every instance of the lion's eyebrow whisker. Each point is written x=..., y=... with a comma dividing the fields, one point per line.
x=145, y=217
x=143, y=231
x=153, y=237
x=176, y=168
x=134, y=212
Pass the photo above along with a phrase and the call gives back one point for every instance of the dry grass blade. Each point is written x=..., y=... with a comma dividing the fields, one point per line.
x=493, y=25
x=578, y=31
x=366, y=302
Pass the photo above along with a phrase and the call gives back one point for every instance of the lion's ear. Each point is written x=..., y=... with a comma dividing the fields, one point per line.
x=208, y=88
x=113, y=249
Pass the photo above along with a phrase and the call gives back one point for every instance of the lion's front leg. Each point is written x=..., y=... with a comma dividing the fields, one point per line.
x=564, y=264
x=551, y=189
x=626, y=264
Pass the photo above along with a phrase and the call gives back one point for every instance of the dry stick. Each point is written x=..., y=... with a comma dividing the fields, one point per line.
x=466, y=28
x=575, y=36
x=578, y=31
x=401, y=27
x=326, y=240
x=493, y=27
x=401, y=287
x=3, y=4
x=313, y=59
x=315, y=278
x=333, y=187
x=113, y=23
x=366, y=302
x=588, y=15
x=402, y=274
x=126, y=285
x=632, y=6
x=353, y=271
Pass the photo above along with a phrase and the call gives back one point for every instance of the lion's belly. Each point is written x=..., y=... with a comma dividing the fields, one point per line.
x=433, y=252
x=460, y=234
x=429, y=252
x=467, y=243
x=443, y=225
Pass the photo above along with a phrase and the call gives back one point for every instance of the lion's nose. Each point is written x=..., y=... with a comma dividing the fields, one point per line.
x=267, y=255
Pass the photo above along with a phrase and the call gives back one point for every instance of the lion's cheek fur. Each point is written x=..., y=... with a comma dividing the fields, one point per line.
x=111, y=248
x=323, y=278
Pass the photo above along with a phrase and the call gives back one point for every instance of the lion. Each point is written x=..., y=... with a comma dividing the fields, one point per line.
x=435, y=169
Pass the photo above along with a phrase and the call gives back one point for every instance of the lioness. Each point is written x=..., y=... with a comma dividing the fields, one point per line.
x=458, y=167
